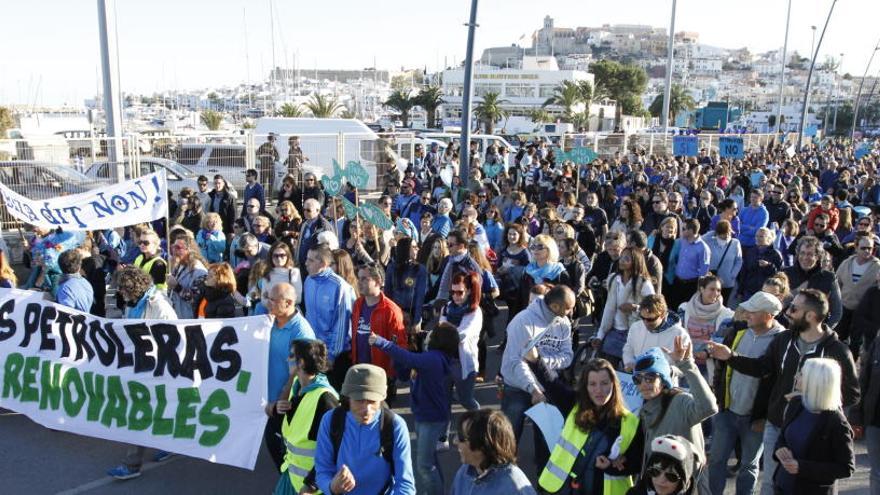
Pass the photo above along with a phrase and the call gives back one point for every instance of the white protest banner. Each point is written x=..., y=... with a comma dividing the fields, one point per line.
x=194, y=387
x=631, y=395
x=116, y=205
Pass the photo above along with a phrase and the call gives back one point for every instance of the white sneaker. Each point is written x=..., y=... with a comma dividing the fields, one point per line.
x=442, y=446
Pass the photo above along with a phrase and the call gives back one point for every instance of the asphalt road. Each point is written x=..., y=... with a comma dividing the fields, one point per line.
x=37, y=460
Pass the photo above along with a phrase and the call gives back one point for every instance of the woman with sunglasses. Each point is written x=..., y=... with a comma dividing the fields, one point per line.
x=628, y=286
x=668, y=410
x=673, y=466
x=288, y=224
x=597, y=420
x=463, y=311
x=291, y=190
x=279, y=268
x=312, y=188
x=544, y=268
x=187, y=271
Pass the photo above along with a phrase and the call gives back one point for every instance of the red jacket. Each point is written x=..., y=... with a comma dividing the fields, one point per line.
x=387, y=322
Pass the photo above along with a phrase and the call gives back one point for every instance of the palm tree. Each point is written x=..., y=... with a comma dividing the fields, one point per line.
x=401, y=101
x=323, y=107
x=430, y=99
x=539, y=116
x=291, y=110
x=6, y=121
x=212, y=119
x=567, y=95
x=490, y=111
x=347, y=114
x=679, y=100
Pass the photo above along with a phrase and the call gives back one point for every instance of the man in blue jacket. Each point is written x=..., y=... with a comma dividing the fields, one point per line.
x=329, y=300
x=751, y=218
x=357, y=465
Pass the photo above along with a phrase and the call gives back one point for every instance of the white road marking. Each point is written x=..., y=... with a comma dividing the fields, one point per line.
x=106, y=480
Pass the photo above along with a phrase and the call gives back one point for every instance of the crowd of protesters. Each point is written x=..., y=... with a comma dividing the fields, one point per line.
x=740, y=297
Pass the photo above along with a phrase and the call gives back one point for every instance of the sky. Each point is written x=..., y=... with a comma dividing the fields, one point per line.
x=51, y=47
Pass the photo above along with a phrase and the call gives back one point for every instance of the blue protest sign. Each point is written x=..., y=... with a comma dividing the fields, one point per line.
x=357, y=174
x=583, y=156
x=811, y=130
x=731, y=147
x=376, y=216
x=685, y=145
x=862, y=151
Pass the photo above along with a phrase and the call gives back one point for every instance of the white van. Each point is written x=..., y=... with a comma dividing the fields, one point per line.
x=228, y=160
x=483, y=140
x=321, y=144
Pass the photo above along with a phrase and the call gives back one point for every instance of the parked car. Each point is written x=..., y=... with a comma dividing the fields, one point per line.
x=179, y=176
x=228, y=160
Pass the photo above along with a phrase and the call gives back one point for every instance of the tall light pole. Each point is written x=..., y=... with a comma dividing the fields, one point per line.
x=110, y=76
x=859, y=93
x=782, y=70
x=836, y=102
x=667, y=94
x=810, y=76
x=464, y=152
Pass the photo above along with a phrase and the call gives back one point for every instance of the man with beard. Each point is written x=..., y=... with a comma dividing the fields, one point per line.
x=806, y=338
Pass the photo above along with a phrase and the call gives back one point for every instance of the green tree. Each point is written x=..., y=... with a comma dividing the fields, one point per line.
x=401, y=101
x=539, y=116
x=214, y=101
x=430, y=99
x=489, y=111
x=401, y=82
x=212, y=119
x=622, y=83
x=567, y=95
x=291, y=110
x=323, y=107
x=679, y=100
x=6, y=121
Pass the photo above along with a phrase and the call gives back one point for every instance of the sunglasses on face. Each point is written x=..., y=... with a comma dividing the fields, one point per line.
x=537, y=247
x=144, y=243
x=670, y=476
x=279, y=256
x=646, y=377
x=457, y=292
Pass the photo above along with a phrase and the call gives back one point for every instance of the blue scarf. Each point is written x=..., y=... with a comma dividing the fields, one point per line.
x=548, y=272
x=455, y=313
x=141, y=307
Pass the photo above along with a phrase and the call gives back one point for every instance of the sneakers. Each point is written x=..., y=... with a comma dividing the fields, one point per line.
x=123, y=472
x=162, y=455
x=442, y=445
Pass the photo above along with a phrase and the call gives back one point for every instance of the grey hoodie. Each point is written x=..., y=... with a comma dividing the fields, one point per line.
x=743, y=388
x=535, y=326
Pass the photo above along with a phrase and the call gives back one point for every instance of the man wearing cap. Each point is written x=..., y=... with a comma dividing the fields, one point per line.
x=742, y=409
x=267, y=155
x=808, y=337
x=359, y=465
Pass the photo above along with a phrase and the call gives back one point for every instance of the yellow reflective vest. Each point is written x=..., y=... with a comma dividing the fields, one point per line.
x=568, y=448
x=300, y=456
x=146, y=267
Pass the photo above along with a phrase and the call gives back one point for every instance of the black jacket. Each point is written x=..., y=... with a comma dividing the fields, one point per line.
x=782, y=361
x=226, y=210
x=866, y=317
x=220, y=304
x=829, y=457
x=868, y=411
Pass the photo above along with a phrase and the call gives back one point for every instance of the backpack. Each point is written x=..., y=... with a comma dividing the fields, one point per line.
x=386, y=435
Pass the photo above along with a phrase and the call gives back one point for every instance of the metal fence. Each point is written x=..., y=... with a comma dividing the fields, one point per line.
x=606, y=145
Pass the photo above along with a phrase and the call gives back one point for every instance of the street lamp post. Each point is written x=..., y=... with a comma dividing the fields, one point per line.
x=782, y=70
x=859, y=93
x=667, y=94
x=810, y=76
x=464, y=152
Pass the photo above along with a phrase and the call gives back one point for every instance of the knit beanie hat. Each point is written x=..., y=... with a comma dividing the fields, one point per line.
x=654, y=361
x=685, y=459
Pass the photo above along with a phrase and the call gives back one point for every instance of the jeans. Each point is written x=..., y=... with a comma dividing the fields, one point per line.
x=514, y=404
x=429, y=475
x=771, y=434
x=465, y=389
x=872, y=438
x=728, y=427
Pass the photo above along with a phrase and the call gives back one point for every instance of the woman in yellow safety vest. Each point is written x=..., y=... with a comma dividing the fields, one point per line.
x=311, y=395
x=600, y=446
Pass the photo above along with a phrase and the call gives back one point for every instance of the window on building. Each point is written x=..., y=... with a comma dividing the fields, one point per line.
x=483, y=89
x=546, y=90
x=520, y=90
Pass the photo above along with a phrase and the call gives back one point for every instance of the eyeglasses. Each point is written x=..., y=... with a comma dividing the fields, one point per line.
x=670, y=476
x=279, y=256
x=457, y=292
x=864, y=224
x=775, y=192
x=144, y=243
x=866, y=248
x=647, y=377
x=253, y=207
x=649, y=318
x=537, y=247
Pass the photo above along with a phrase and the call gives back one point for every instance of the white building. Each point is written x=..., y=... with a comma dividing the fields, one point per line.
x=521, y=89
